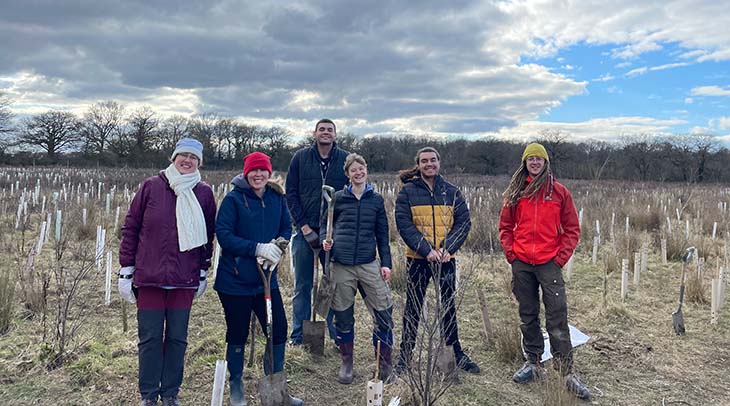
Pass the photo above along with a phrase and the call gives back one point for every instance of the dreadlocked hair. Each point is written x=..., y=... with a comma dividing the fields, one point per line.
x=517, y=188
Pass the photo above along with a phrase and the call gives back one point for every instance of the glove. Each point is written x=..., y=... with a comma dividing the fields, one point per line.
x=313, y=240
x=124, y=284
x=203, y=284
x=269, y=252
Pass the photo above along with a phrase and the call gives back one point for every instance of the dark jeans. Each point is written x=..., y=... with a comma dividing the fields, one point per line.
x=237, y=311
x=420, y=272
x=527, y=279
x=162, y=319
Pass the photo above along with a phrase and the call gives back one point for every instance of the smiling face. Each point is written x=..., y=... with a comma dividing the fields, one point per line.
x=186, y=163
x=325, y=133
x=358, y=174
x=257, y=179
x=428, y=164
x=535, y=165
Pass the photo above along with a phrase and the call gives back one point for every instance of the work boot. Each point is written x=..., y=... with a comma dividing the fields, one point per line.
x=528, y=373
x=234, y=357
x=576, y=387
x=345, y=375
x=171, y=401
x=464, y=362
x=148, y=402
x=385, y=364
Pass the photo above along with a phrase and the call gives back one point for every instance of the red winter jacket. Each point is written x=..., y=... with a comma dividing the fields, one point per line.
x=541, y=228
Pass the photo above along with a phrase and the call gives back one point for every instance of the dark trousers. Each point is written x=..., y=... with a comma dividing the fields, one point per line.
x=162, y=319
x=527, y=279
x=237, y=311
x=420, y=272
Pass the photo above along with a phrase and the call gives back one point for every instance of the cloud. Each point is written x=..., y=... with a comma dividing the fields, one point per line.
x=722, y=123
x=604, y=78
x=710, y=91
x=645, y=69
x=380, y=66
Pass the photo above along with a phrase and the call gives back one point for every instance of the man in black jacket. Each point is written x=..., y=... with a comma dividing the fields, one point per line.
x=433, y=220
x=310, y=168
x=360, y=231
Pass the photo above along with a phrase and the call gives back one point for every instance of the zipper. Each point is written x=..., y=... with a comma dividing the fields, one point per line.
x=357, y=229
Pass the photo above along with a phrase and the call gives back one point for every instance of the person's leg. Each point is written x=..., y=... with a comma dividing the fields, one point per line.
x=449, y=323
x=303, y=262
x=419, y=274
x=343, y=307
x=237, y=312
x=525, y=287
x=379, y=301
x=550, y=276
x=150, y=328
x=177, y=316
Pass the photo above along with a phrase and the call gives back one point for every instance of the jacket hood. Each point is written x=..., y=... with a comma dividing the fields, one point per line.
x=275, y=184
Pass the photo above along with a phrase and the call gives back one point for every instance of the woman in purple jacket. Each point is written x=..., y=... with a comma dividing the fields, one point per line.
x=167, y=241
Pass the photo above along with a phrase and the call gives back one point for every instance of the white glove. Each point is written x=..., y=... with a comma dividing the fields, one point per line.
x=269, y=252
x=203, y=284
x=124, y=284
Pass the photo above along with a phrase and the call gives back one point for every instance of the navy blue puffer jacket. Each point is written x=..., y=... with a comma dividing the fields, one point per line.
x=360, y=226
x=244, y=220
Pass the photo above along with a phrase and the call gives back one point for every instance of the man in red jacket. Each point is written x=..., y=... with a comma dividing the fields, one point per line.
x=539, y=230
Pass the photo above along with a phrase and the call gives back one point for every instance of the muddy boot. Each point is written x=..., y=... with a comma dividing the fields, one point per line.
x=385, y=364
x=279, y=351
x=345, y=375
x=530, y=371
x=234, y=357
x=576, y=387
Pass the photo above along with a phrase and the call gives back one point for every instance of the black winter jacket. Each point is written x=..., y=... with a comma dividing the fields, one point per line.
x=304, y=183
x=359, y=227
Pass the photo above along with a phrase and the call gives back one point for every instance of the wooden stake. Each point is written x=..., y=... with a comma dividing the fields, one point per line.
x=664, y=251
x=488, y=332
x=594, y=256
x=637, y=269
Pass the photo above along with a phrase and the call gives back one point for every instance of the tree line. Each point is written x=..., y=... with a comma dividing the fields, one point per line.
x=108, y=134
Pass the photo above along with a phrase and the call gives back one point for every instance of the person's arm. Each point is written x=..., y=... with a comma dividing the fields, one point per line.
x=571, y=230
x=408, y=231
x=132, y=227
x=225, y=227
x=292, y=193
x=209, y=210
x=462, y=225
x=506, y=231
x=382, y=235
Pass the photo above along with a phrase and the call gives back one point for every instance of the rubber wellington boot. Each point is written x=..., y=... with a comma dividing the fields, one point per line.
x=345, y=375
x=385, y=364
x=234, y=357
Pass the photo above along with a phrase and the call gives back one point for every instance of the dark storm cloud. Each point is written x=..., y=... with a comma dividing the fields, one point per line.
x=374, y=61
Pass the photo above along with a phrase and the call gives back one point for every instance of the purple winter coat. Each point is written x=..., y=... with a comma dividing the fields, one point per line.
x=149, y=236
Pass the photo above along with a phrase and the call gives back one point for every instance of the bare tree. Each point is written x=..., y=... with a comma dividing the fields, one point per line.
x=170, y=131
x=53, y=131
x=101, y=123
x=639, y=152
x=138, y=134
x=6, y=116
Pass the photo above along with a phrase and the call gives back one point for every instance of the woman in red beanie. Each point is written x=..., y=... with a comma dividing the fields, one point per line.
x=251, y=217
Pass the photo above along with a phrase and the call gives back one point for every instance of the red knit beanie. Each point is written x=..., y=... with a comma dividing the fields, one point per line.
x=256, y=160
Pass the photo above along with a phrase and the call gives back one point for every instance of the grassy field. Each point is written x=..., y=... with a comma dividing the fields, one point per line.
x=633, y=357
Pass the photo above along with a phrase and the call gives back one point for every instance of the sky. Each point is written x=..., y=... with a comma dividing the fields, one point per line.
x=593, y=70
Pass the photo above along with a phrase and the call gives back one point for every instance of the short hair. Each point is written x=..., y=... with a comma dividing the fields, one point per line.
x=427, y=149
x=325, y=120
x=353, y=158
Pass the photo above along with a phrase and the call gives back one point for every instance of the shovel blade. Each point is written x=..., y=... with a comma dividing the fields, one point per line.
x=446, y=362
x=678, y=322
x=273, y=390
x=313, y=336
x=325, y=293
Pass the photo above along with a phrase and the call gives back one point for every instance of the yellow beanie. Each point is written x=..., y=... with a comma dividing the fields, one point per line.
x=535, y=149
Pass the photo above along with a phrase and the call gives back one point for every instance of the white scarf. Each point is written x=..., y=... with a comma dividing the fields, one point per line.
x=191, y=230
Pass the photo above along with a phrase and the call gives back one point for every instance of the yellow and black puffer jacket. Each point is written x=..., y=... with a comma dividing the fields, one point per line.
x=426, y=218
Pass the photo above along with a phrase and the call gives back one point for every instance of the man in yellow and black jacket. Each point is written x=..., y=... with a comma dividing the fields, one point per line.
x=433, y=219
